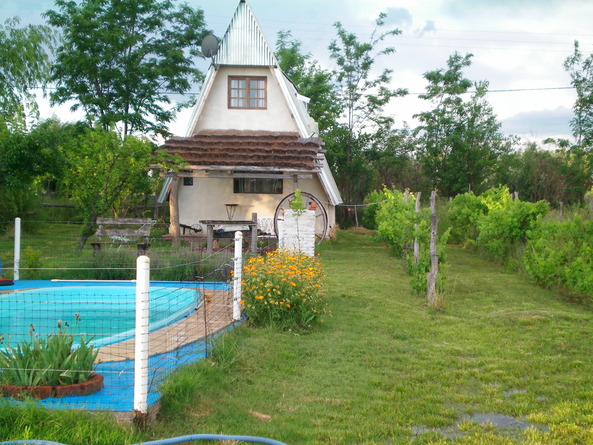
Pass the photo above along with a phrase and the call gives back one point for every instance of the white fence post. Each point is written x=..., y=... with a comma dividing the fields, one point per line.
x=141, y=340
x=17, y=248
x=237, y=275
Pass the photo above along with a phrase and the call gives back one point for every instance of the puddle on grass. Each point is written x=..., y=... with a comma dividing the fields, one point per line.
x=509, y=425
x=513, y=392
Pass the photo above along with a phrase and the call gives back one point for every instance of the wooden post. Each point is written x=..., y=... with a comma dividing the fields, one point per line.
x=431, y=278
x=174, y=211
x=416, y=243
x=209, y=238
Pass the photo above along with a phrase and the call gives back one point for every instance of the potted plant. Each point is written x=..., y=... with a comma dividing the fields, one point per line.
x=55, y=365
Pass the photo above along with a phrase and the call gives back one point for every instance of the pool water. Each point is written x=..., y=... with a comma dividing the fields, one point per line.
x=107, y=313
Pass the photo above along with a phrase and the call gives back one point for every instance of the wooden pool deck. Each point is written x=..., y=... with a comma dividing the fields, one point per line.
x=214, y=314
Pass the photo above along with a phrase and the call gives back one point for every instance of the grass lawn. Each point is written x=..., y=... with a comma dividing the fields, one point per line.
x=507, y=362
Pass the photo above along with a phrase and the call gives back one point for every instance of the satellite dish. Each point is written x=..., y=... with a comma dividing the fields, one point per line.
x=209, y=46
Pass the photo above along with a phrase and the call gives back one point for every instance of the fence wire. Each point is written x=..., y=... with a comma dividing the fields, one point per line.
x=190, y=302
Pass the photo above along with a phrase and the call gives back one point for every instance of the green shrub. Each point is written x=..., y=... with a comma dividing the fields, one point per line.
x=373, y=201
x=464, y=212
x=283, y=289
x=395, y=220
x=399, y=225
x=561, y=254
x=48, y=361
x=31, y=264
x=496, y=197
x=505, y=228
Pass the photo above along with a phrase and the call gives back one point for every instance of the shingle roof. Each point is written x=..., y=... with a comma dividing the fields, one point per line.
x=266, y=150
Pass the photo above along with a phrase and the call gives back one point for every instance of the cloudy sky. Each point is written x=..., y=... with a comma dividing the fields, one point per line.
x=519, y=46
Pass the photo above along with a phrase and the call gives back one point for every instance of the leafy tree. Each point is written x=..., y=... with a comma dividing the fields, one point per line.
x=119, y=59
x=580, y=69
x=392, y=160
x=109, y=174
x=26, y=160
x=460, y=139
x=24, y=64
x=362, y=96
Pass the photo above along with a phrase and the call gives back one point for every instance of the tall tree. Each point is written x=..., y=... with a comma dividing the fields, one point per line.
x=460, y=140
x=24, y=65
x=120, y=58
x=580, y=69
x=362, y=95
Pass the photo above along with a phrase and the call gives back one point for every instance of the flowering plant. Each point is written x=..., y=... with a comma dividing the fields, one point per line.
x=283, y=289
x=51, y=360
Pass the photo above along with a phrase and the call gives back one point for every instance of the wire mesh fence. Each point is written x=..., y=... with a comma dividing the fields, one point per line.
x=84, y=296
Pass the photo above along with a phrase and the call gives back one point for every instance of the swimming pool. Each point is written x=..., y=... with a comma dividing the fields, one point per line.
x=105, y=312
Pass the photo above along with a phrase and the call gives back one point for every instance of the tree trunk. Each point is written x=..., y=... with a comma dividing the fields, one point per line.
x=431, y=278
x=88, y=230
x=174, y=211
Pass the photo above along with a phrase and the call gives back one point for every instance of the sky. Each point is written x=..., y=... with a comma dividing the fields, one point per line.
x=518, y=46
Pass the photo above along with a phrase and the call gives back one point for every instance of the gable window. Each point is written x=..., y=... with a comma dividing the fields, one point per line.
x=248, y=92
x=258, y=185
x=188, y=181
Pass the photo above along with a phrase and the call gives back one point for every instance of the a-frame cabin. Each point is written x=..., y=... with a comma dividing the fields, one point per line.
x=250, y=142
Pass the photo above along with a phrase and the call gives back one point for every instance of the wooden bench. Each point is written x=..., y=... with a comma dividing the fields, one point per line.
x=117, y=231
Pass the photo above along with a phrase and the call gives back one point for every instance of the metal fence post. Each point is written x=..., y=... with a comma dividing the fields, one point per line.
x=141, y=340
x=17, y=248
x=238, y=275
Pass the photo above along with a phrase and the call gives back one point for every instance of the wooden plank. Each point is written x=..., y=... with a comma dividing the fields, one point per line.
x=124, y=221
x=213, y=315
x=123, y=232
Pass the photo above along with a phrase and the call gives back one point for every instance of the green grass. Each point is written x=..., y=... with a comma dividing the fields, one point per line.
x=384, y=368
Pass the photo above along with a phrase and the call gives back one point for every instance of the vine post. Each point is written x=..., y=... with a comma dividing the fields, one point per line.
x=416, y=242
x=431, y=278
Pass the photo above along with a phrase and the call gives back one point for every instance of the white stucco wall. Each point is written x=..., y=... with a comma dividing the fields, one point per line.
x=196, y=202
x=217, y=116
